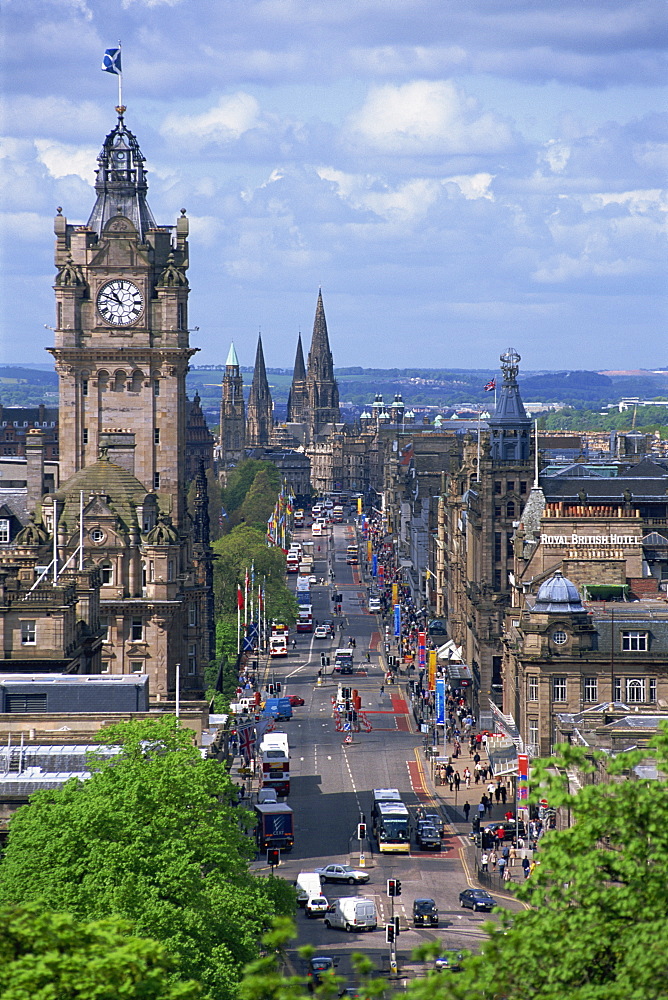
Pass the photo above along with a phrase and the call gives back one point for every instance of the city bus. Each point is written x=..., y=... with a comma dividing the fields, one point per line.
x=392, y=827
x=352, y=555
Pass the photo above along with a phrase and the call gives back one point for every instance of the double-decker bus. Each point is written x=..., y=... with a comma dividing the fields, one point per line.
x=352, y=555
x=390, y=821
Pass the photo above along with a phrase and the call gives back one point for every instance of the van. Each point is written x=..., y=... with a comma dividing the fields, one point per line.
x=277, y=708
x=353, y=913
x=267, y=795
x=308, y=887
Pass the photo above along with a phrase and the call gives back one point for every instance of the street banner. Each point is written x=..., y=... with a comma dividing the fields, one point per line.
x=381, y=574
x=369, y=550
x=432, y=669
x=440, y=700
x=359, y=505
x=397, y=620
x=374, y=565
x=395, y=593
x=522, y=777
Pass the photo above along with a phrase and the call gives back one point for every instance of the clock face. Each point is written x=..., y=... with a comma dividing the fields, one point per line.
x=119, y=302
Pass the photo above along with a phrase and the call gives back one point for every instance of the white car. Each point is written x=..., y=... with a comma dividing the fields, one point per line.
x=321, y=632
x=375, y=606
x=341, y=873
x=316, y=907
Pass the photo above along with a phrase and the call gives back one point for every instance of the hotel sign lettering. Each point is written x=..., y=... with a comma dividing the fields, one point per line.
x=598, y=540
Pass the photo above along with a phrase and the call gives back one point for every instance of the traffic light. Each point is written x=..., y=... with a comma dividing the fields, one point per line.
x=391, y=887
x=273, y=857
x=390, y=933
x=396, y=927
x=397, y=887
x=361, y=831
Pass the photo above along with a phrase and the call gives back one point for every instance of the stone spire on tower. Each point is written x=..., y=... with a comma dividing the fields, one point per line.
x=120, y=182
x=259, y=419
x=510, y=428
x=321, y=387
x=297, y=399
x=232, y=413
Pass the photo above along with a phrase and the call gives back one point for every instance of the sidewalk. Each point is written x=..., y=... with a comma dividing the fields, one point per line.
x=451, y=803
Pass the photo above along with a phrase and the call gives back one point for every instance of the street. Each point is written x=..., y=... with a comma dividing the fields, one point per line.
x=331, y=784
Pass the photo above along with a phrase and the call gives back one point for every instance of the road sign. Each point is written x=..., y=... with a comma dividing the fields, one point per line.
x=349, y=738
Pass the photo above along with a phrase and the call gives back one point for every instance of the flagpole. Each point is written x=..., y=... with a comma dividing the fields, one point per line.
x=238, y=624
x=120, y=86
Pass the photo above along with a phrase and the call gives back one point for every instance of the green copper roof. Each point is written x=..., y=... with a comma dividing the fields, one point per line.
x=124, y=491
x=232, y=358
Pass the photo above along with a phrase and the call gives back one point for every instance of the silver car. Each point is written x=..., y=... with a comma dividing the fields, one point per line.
x=342, y=873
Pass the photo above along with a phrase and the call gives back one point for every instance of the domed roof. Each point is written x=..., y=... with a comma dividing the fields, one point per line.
x=558, y=594
x=123, y=491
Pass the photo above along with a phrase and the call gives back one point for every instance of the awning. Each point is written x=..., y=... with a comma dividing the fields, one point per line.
x=503, y=760
x=605, y=591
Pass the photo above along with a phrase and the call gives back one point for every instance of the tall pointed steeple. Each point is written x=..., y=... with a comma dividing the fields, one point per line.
x=510, y=428
x=322, y=389
x=120, y=183
x=297, y=398
x=232, y=413
x=259, y=420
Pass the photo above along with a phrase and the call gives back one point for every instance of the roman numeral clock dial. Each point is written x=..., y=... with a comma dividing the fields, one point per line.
x=120, y=302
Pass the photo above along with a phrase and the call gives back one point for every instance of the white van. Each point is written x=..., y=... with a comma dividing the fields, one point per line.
x=267, y=795
x=353, y=913
x=308, y=887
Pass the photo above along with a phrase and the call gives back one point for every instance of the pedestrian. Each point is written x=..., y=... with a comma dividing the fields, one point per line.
x=497, y=794
x=458, y=780
x=526, y=865
x=504, y=793
x=466, y=809
x=509, y=816
x=382, y=690
x=493, y=858
x=476, y=758
x=484, y=860
x=481, y=811
x=502, y=866
x=294, y=643
x=484, y=802
x=505, y=853
x=506, y=874
x=368, y=656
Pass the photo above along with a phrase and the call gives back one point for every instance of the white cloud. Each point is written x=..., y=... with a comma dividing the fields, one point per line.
x=556, y=155
x=425, y=117
x=62, y=160
x=224, y=123
x=563, y=268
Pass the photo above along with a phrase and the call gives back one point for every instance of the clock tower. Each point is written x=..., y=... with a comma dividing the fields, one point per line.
x=121, y=340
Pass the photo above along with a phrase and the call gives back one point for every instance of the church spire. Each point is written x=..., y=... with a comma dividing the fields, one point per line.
x=121, y=183
x=297, y=396
x=322, y=389
x=259, y=421
x=232, y=413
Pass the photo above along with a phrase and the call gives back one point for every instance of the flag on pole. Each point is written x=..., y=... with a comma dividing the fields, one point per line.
x=490, y=385
x=240, y=598
x=247, y=741
x=111, y=61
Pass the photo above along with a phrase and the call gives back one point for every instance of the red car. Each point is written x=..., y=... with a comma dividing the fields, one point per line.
x=295, y=700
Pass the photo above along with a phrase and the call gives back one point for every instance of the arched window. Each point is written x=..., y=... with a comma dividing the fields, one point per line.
x=136, y=382
x=120, y=379
x=510, y=509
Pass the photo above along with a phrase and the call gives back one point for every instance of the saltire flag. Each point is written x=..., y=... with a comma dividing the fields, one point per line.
x=490, y=385
x=111, y=61
x=246, y=741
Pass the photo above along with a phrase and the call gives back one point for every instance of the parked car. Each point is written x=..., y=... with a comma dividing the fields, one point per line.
x=428, y=838
x=430, y=818
x=316, y=907
x=509, y=829
x=476, y=899
x=321, y=632
x=295, y=700
x=342, y=873
x=425, y=913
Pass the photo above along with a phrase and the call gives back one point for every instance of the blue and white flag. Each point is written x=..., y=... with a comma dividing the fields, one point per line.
x=111, y=61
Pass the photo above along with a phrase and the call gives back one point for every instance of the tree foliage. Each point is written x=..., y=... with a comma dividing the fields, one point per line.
x=154, y=837
x=45, y=955
x=236, y=553
x=241, y=479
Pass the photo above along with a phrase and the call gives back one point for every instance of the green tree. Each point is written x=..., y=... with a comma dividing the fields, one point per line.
x=597, y=923
x=258, y=503
x=155, y=838
x=236, y=553
x=45, y=955
x=241, y=479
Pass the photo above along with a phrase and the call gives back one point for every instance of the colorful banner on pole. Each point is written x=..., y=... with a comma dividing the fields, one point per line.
x=395, y=593
x=374, y=565
x=432, y=670
x=397, y=621
x=522, y=777
x=440, y=700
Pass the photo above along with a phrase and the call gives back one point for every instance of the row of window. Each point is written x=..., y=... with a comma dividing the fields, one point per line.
x=156, y=435
x=510, y=486
x=136, y=382
x=632, y=690
x=26, y=423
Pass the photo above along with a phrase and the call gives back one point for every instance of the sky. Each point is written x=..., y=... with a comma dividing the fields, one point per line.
x=459, y=176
